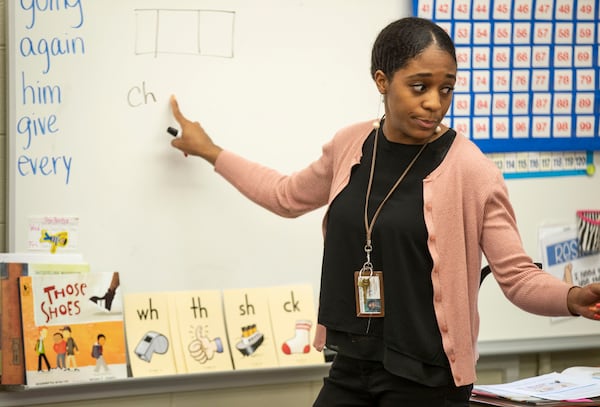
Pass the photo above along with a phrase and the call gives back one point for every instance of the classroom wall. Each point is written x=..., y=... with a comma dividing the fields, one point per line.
x=3, y=131
x=290, y=394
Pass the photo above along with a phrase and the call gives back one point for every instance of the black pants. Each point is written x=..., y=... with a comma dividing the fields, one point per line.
x=358, y=383
x=42, y=356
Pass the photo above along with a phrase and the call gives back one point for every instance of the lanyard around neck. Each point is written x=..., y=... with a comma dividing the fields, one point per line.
x=368, y=266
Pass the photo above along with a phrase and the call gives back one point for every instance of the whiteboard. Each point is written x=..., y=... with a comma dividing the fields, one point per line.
x=272, y=80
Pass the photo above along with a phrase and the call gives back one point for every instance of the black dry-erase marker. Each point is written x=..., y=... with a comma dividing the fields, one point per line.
x=172, y=131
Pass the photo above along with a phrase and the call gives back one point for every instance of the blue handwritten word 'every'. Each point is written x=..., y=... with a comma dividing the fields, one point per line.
x=34, y=7
x=45, y=165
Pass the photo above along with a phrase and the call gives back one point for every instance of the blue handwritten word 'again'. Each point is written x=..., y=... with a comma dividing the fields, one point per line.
x=53, y=47
x=46, y=6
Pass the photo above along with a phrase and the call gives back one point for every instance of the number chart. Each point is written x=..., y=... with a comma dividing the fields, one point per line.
x=528, y=73
x=544, y=164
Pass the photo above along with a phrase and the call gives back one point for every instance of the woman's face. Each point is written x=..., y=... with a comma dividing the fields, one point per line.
x=418, y=96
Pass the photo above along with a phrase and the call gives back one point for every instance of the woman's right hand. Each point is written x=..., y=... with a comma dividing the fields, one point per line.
x=320, y=336
x=193, y=139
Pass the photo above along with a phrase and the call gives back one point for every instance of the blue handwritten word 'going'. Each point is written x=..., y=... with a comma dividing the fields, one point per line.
x=41, y=6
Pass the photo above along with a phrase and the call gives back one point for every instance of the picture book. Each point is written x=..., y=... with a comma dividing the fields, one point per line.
x=149, y=327
x=13, y=367
x=12, y=339
x=294, y=321
x=73, y=328
x=248, y=323
x=200, y=334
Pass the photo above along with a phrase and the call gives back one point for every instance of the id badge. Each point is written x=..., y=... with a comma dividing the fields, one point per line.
x=368, y=286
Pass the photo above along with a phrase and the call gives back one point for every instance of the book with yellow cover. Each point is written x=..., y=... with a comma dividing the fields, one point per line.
x=200, y=334
x=249, y=327
x=149, y=328
x=294, y=320
x=72, y=328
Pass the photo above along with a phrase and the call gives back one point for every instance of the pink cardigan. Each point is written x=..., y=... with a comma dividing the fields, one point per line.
x=467, y=213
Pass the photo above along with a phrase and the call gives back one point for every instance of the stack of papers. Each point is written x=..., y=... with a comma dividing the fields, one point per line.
x=575, y=385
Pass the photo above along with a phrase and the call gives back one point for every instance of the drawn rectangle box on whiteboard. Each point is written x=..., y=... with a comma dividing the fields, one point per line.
x=206, y=33
x=146, y=22
x=177, y=32
x=215, y=33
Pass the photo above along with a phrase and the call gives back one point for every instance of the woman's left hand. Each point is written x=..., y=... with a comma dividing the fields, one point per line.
x=585, y=301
